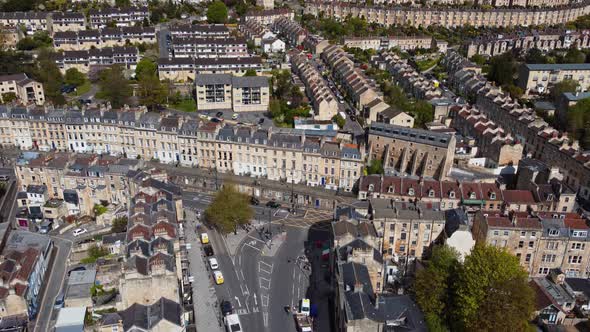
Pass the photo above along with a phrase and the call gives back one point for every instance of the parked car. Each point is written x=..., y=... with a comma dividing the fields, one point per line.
x=261, y=121
x=254, y=200
x=204, y=238
x=226, y=308
x=218, y=277
x=235, y=116
x=219, y=114
x=79, y=231
x=305, y=307
x=68, y=88
x=273, y=205
x=59, y=301
x=213, y=263
x=4, y=178
x=208, y=250
x=46, y=227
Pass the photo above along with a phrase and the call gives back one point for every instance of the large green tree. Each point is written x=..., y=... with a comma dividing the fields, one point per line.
x=491, y=292
x=151, y=91
x=146, y=67
x=229, y=209
x=574, y=55
x=502, y=69
x=48, y=73
x=217, y=12
x=114, y=87
x=74, y=77
x=432, y=283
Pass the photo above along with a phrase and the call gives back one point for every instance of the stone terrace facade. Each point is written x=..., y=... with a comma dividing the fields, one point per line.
x=449, y=17
x=277, y=154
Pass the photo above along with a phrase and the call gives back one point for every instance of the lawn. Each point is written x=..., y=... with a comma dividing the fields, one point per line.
x=185, y=105
x=82, y=89
x=425, y=64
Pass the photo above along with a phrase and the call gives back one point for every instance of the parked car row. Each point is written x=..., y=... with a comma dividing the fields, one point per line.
x=213, y=264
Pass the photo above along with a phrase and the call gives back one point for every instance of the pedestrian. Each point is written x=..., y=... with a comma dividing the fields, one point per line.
x=287, y=309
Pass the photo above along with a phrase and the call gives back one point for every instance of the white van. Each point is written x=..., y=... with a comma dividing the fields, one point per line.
x=305, y=307
x=232, y=323
x=213, y=264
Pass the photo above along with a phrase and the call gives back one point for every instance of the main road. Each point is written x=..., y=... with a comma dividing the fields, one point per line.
x=262, y=276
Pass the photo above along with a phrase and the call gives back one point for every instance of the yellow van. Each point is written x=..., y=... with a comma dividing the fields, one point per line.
x=218, y=277
x=204, y=238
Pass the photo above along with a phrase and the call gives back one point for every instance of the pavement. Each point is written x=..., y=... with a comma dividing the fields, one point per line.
x=162, y=45
x=47, y=315
x=207, y=314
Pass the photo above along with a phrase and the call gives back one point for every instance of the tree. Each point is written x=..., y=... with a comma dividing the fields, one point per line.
x=574, y=55
x=340, y=121
x=145, y=67
x=432, y=283
x=48, y=73
x=114, y=87
x=514, y=91
x=119, y=225
x=564, y=86
x=535, y=55
x=229, y=209
x=491, y=292
x=250, y=72
x=502, y=69
x=217, y=12
x=74, y=77
x=152, y=92
x=478, y=59
x=375, y=167
x=9, y=97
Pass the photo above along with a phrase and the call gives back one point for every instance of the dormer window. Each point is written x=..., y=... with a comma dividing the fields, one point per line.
x=371, y=187
x=492, y=195
x=553, y=232
x=549, y=197
x=411, y=191
x=451, y=194
x=390, y=189
x=579, y=233
x=472, y=195
x=430, y=193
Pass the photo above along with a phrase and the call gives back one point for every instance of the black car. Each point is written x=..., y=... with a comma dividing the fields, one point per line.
x=219, y=114
x=353, y=118
x=216, y=120
x=273, y=205
x=254, y=200
x=226, y=308
x=208, y=250
x=68, y=88
x=261, y=121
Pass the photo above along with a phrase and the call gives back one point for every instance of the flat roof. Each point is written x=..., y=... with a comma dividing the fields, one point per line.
x=70, y=317
x=558, y=66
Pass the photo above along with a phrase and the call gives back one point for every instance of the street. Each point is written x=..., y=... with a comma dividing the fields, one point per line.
x=264, y=269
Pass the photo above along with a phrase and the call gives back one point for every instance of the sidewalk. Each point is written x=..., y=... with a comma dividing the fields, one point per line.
x=204, y=297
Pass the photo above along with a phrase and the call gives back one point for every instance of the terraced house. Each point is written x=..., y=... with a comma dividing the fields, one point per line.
x=107, y=37
x=277, y=154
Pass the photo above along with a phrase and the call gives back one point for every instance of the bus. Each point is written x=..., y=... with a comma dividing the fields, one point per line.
x=232, y=323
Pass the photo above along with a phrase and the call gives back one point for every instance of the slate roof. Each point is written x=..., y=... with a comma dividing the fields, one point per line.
x=147, y=317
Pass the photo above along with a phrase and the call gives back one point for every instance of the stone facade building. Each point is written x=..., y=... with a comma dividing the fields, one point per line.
x=25, y=89
x=411, y=151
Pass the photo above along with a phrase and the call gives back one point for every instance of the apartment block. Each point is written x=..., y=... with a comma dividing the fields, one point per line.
x=31, y=21
x=84, y=61
x=266, y=17
x=490, y=3
x=199, y=31
x=404, y=43
x=323, y=100
x=224, y=91
x=408, y=229
x=292, y=31
x=539, y=78
x=449, y=17
x=411, y=151
x=102, y=38
x=185, y=69
x=191, y=47
x=122, y=17
x=67, y=21
x=26, y=90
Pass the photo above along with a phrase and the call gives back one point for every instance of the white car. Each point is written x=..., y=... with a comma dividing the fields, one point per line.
x=235, y=116
x=213, y=264
x=80, y=231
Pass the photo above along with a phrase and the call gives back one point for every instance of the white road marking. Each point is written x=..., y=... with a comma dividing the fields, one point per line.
x=264, y=283
x=247, y=245
x=264, y=300
x=255, y=300
x=242, y=272
x=265, y=318
x=238, y=300
x=241, y=311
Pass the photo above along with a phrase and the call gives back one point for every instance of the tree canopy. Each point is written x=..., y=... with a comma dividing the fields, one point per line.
x=228, y=210
x=74, y=77
x=114, y=87
x=502, y=69
x=564, y=86
x=217, y=12
x=488, y=292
